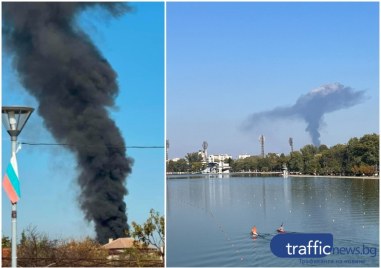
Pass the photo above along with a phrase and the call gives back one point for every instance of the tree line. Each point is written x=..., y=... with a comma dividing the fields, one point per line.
x=359, y=156
x=36, y=249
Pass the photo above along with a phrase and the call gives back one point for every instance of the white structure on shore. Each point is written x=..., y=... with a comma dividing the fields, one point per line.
x=218, y=157
x=216, y=164
x=243, y=156
x=216, y=168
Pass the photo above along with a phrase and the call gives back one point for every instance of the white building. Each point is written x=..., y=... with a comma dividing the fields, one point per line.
x=243, y=156
x=218, y=157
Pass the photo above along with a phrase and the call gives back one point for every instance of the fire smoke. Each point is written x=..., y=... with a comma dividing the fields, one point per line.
x=74, y=84
x=311, y=108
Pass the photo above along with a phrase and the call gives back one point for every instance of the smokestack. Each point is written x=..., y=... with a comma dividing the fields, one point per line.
x=74, y=85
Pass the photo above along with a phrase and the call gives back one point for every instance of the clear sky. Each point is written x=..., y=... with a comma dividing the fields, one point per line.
x=226, y=61
x=134, y=45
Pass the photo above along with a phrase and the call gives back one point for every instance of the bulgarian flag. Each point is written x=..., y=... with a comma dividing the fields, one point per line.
x=11, y=182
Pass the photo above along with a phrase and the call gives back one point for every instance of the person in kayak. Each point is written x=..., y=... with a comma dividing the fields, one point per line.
x=254, y=231
x=280, y=229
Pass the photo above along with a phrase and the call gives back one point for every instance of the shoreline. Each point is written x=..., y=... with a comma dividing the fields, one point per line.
x=337, y=177
x=268, y=174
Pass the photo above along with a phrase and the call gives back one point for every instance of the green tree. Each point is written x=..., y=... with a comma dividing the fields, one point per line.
x=194, y=161
x=323, y=148
x=193, y=157
x=196, y=167
x=332, y=161
x=5, y=242
x=295, y=162
x=170, y=166
x=310, y=164
x=363, y=152
x=151, y=232
x=180, y=165
x=370, y=143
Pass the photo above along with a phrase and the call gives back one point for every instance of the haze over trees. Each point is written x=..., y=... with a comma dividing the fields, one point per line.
x=359, y=156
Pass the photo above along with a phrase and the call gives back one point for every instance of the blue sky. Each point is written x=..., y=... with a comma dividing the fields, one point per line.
x=134, y=45
x=226, y=61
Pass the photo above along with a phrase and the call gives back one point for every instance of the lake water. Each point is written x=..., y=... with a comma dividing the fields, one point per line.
x=209, y=218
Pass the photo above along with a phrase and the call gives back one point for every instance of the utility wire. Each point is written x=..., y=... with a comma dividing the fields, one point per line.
x=88, y=145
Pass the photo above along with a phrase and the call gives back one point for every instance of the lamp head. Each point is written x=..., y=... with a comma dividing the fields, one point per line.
x=15, y=118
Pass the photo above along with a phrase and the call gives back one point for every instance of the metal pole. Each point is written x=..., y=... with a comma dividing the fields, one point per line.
x=14, y=214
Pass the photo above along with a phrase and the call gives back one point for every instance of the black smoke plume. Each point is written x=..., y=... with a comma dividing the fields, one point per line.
x=311, y=108
x=74, y=84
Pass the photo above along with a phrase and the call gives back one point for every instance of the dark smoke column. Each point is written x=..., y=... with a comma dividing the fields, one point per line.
x=74, y=84
x=311, y=108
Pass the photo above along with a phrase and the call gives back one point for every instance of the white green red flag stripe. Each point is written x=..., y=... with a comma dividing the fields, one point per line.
x=11, y=182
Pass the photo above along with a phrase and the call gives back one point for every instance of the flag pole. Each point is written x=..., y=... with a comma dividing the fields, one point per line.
x=14, y=120
x=14, y=214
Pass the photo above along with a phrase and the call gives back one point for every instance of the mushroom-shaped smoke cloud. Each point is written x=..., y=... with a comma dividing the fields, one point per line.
x=311, y=107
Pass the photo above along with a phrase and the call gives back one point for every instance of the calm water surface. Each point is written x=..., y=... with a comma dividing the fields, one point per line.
x=209, y=218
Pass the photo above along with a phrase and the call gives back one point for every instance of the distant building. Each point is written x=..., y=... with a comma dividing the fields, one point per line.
x=243, y=156
x=218, y=157
x=175, y=159
x=118, y=246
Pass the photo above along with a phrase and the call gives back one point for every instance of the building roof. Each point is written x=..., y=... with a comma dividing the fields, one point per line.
x=120, y=243
x=123, y=243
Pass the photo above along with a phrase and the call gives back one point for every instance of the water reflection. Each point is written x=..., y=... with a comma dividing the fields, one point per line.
x=218, y=213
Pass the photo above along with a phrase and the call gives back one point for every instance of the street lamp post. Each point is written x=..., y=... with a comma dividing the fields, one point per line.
x=14, y=119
